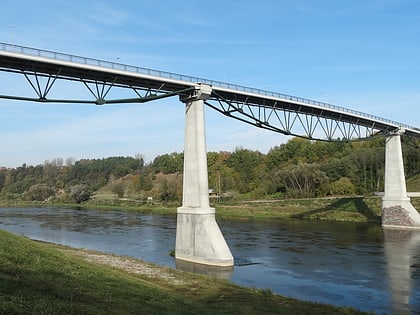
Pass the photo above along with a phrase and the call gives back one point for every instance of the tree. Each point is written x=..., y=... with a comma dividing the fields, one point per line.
x=343, y=186
x=244, y=162
x=304, y=180
x=219, y=174
x=79, y=193
x=169, y=163
x=120, y=170
x=140, y=158
x=142, y=182
x=40, y=192
x=2, y=178
x=70, y=161
x=118, y=189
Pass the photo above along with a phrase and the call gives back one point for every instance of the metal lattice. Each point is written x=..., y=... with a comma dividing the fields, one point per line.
x=295, y=123
x=102, y=80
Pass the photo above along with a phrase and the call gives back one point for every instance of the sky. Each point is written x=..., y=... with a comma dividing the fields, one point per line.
x=359, y=54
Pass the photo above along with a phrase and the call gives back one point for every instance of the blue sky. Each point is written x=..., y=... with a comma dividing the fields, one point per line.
x=360, y=54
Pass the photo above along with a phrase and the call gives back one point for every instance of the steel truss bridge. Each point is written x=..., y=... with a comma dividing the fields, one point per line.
x=285, y=114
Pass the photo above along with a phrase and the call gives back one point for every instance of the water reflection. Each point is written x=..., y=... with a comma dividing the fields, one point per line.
x=317, y=261
x=211, y=271
x=402, y=249
x=357, y=265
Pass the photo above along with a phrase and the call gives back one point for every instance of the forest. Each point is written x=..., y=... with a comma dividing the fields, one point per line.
x=299, y=168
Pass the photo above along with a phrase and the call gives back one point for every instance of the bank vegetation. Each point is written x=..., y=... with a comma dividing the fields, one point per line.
x=296, y=170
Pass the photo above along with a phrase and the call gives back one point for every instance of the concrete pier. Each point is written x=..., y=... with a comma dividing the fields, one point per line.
x=198, y=237
x=397, y=210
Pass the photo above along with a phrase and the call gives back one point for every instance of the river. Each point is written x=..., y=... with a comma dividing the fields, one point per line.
x=358, y=265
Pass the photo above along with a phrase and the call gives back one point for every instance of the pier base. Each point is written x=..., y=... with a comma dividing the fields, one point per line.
x=198, y=237
x=397, y=210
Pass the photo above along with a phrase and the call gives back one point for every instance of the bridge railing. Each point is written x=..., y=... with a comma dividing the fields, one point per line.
x=164, y=74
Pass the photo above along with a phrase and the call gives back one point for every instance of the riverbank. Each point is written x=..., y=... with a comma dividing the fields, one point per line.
x=351, y=209
x=45, y=278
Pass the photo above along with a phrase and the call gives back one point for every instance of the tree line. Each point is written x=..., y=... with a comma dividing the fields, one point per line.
x=297, y=169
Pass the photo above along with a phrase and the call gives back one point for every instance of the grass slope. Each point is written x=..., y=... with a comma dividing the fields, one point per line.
x=354, y=209
x=40, y=278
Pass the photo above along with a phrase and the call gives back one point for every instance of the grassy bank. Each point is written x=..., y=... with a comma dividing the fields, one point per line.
x=40, y=278
x=355, y=209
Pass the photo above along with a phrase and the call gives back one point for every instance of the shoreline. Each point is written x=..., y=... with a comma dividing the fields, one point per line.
x=40, y=277
x=357, y=209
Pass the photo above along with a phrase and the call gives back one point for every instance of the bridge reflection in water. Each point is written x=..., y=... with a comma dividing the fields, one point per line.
x=210, y=271
x=402, y=250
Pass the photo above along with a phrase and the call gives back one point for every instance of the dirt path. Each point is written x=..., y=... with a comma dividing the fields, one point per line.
x=128, y=264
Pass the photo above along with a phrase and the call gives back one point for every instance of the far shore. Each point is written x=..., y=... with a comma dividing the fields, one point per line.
x=351, y=208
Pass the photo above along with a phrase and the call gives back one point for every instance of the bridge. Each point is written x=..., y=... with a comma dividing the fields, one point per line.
x=198, y=237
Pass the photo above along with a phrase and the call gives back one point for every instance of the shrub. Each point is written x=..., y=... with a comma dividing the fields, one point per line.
x=79, y=193
x=40, y=192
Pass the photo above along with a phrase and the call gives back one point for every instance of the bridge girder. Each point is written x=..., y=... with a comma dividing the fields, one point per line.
x=41, y=84
x=290, y=120
x=276, y=116
x=100, y=80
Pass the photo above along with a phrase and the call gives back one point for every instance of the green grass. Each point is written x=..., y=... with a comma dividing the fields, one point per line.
x=355, y=209
x=41, y=278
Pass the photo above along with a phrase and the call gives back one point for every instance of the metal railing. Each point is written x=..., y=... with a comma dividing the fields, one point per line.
x=168, y=75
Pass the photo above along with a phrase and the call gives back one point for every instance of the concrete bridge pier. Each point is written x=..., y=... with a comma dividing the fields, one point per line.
x=198, y=237
x=397, y=210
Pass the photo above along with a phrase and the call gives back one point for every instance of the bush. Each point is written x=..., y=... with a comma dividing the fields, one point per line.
x=40, y=192
x=343, y=186
x=118, y=189
x=79, y=193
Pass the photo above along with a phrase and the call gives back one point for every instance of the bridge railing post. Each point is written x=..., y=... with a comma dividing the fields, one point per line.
x=397, y=210
x=198, y=237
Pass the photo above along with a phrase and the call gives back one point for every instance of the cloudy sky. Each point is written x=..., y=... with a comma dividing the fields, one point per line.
x=363, y=55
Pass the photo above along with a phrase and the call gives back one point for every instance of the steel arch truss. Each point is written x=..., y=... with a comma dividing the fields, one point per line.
x=291, y=121
x=42, y=86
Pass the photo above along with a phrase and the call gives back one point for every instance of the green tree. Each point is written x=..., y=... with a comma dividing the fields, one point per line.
x=220, y=175
x=343, y=186
x=169, y=163
x=304, y=180
x=79, y=193
x=244, y=162
x=3, y=174
x=118, y=189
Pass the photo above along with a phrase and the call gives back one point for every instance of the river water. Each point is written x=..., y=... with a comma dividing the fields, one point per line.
x=357, y=265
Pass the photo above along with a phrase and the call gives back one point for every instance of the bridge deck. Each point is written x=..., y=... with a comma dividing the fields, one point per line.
x=42, y=62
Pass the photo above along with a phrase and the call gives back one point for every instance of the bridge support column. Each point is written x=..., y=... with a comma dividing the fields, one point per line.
x=198, y=237
x=397, y=210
